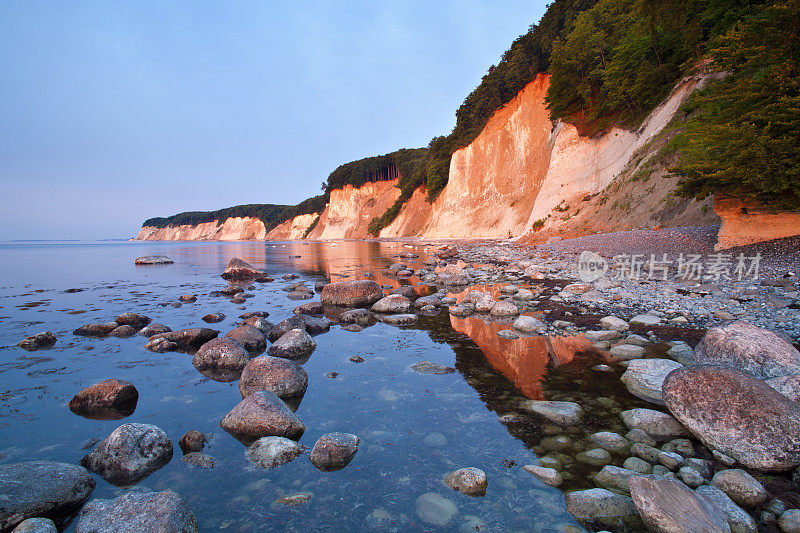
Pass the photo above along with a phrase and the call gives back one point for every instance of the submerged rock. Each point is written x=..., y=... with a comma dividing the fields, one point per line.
x=41, y=488
x=250, y=337
x=153, y=260
x=198, y=460
x=239, y=269
x=400, y=320
x=271, y=452
x=294, y=344
x=311, y=325
x=468, y=480
x=427, y=367
x=108, y=400
x=561, y=413
x=334, y=451
x=130, y=453
x=37, y=342
x=657, y=424
x=357, y=293
x=601, y=507
x=750, y=349
x=669, y=506
x=282, y=377
x=548, y=476
x=435, y=510
x=138, y=512
x=736, y=414
x=262, y=414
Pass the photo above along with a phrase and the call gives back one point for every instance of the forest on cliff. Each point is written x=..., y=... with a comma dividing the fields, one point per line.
x=610, y=63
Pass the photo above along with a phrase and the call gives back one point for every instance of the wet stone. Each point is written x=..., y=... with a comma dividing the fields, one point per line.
x=470, y=480
x=108, y=400
x=428, y=367
x=138, y=512
x=334, y=451
x=192, y=441
x=38, y=341
x=130, y=453
x=198, y=460
x=561, y=413
x=213, y=318
x=36, y=525
x=435, y=510
x=548, y=476
x=271, y=452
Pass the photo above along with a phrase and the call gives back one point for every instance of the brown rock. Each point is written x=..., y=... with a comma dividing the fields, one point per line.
x=262, y=414
x=96, y=330
x=334, y=451
x=282, y=377
x=134, y=320
x=188, y=298
x=250, y=337
x=357, y=293
x=221, y=354
x=187, y=339
x=36, y=342
x=311, y=308
x=123, y=332
x=213, y=318
x=111, y=399
x=192, y=441
x=736, y=414
x=154, y=329
x=239, y=269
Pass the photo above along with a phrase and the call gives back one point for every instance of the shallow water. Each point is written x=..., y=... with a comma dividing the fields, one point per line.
x=414, y=428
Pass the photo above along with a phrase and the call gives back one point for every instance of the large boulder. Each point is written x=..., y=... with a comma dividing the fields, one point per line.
x=668, y=506
x=187, y=340
x=270, y=452
x=111, y=399
x=750, y=349
x=36, y=342
x=603, y=508
x=294, y=344
x=165, y=512
x=392, y=304
x=282, y=377
x=262, y=414
x=221, y=354
x=736, y=414
x=41, y=488
x=250, y=337
x=334, y=451
x=239, y=269
x=644, y=377
x=358, y=293
x=130, y=453
x=739, y=519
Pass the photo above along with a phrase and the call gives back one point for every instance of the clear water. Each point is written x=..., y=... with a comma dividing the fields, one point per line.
x=393, y=409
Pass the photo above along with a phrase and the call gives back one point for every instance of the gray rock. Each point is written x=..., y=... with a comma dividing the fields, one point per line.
x=637, y=465
x=282, y=377
x=468, y=480
x=561, y=413
x=262, y=414
x=789, y=386
x=334, y=451
x=164, y=511
x=669, y=506
x=690, y=476
x=612, y=442
x=750, y=349
x=428, y=367
x=37, y=342
x=153, y=260
x=399, y=320
x=627, y=351
x=425, y=301
x=657, y=424
x=789, y=521
x=529, y=324
x=36, y=525
x=198, y=460
x=616, y=478
x=645, y=320
x=603, y=508
x=221, y=354
x=643, y=451
x=351, y=293
x=595, y=457
x=435, y=510
x=682, y=353
x=602, y=335
x=41, y=488
x=271, y=452
x=130, y=453
x=504, y=308
x=508, y=334
x=644, y=378
x=250, y=337
x=613, y=323
x=294, y=344
x=393, y=304
x=738, y=519
x=671, y=460
x=637, y=435
x=548, y=476
x=741, y=487
x=736, y=414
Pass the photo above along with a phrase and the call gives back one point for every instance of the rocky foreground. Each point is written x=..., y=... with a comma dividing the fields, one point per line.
x=718, y=451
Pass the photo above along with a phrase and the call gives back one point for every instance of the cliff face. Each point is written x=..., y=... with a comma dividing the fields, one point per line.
x=746, y=222
x=292, y=229
x=233, y=229
x=351, y=209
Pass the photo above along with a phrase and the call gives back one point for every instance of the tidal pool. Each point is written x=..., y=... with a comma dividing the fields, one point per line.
x=414, y=428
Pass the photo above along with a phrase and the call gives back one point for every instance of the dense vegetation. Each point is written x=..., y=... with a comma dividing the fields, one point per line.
x=743, y=134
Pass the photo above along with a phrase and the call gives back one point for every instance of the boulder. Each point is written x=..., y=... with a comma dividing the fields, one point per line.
x=133, y=320
x=294, y=344
x=36, y=525
x=400, y=320
x=130, y=453
x=424, y=301
x=789, y=521
x=356, y=293
x=470, y=480
x=239, y=269
x=136, y=512
x=739, y=520
x=737, y=415
x=188, y=340
x=548, y=476
x=616, y=478
x=221, y=354
x=310, y=308
x=529, y=324
x=36, y=342
x=96, y=330
x=192, y=441
x=669, y=506
x=154, y=329
x=657, y=424
x=213, y=318
x=435, y=510
x=334, y=451
x=270, y=452
x=123, y=332
x=613, y=323
x=153, y=260
x=312, y=326
x=41, y=488
x=561, y=413
x=645, y=320
x=282, y=377
x=603, y=508
x=750, y=349
x=250, y=337
x=627, y=351
x=392, y=304
x=111, y=399
x=740, y=487
x=644, y=378
x=262, y=414
x=504, y=308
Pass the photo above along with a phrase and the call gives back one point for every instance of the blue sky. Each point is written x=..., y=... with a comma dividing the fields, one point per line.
x=113, y=112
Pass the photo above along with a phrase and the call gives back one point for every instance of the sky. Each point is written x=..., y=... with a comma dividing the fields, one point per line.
x=113, y=112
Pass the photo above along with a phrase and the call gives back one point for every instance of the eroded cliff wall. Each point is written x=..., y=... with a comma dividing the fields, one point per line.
x=351, y=209
x=233, y=229
x=746, y=222
x=292, y=229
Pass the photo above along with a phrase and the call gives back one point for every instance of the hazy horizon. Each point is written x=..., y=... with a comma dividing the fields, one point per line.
x=115, y=113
